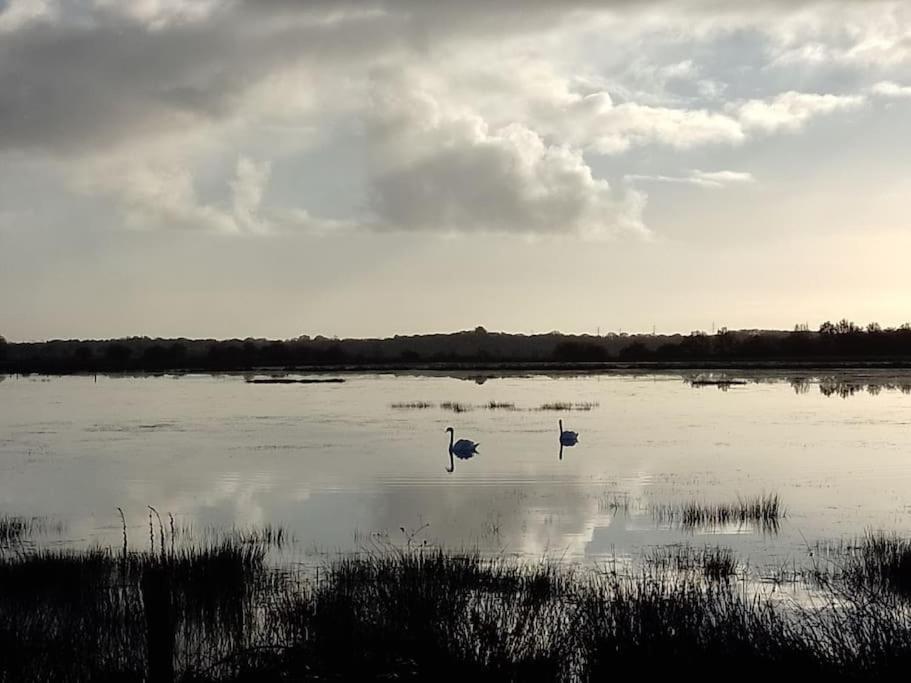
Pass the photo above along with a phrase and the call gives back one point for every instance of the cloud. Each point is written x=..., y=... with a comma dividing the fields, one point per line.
x=501, y=114
x=612, y=128
x=707, y=179
x=890, y=89
x=248, y=186
x=790, y=111
x=158, y=193
x=14, y=14
x=436, y=169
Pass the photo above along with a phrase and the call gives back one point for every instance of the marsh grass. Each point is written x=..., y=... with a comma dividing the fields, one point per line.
x=614, y=503
x=712, y=562
x=16, y=530
x=567, y=406
x=765, y=510
x=456, y=407
x=215, y=610
x=877, y=563
x=495, y=405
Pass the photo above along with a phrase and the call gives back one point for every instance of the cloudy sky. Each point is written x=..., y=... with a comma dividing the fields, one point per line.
x=275, y=168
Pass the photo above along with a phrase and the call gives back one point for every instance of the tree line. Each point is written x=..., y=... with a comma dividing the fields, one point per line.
x=841, y=340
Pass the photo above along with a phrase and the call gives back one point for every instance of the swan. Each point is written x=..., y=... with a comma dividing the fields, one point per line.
x=568, y=438
x=463, y=448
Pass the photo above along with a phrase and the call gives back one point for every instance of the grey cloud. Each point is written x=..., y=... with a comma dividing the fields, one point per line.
x=435, y=169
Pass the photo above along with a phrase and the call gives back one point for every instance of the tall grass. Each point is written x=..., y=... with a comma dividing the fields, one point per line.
x=878, y=563
x=713, y=563
x=765, y=510
x=215, y=610
x=16, y=530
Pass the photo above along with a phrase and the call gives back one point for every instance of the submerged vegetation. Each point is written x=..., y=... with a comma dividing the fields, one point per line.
x=566, y=406
x=458, y=407
x=412, y=405
x=215, y=609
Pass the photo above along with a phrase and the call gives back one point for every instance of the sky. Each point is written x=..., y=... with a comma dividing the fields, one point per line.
x=273, y=168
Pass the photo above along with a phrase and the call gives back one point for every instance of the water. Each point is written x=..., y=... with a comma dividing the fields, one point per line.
x=344, y=470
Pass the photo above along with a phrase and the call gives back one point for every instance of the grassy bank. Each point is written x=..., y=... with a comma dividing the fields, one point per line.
x=216, y=610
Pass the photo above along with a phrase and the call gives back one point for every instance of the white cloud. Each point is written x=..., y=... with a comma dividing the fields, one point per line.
x=161, y=192
x=890, y=89
x=615, y=128
x=707, y=179
x=447, y=170
x=790, y=111
x=14, y=14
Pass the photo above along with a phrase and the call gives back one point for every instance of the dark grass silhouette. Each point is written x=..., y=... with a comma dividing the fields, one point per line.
x=875, y=564
x=764, y=510
x=216, y=610
x=562, y=406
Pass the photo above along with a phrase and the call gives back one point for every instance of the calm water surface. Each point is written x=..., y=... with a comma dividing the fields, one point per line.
x=343, y=469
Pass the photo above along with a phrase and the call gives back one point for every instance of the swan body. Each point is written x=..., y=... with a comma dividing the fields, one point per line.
x=462, y=449
x=568, y=438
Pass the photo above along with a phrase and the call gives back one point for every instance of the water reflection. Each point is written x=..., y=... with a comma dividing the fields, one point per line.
x=215, y=450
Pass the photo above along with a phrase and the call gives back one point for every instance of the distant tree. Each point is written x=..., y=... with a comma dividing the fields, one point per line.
x=724, y=342
x=874, y=328
x=845, y=326
x=827, y=328
x=572, y=351
x=3, y=347
x=83, y=354
x=635, y=351
x=118, y=354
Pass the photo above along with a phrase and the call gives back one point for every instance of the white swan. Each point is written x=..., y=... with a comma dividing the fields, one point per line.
x=463, y=448
x=568, y=438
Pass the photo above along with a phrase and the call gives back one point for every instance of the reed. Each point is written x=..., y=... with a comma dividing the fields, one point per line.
x=456, y=407
x=216, y=610
x=567, y=406
x=765, y=510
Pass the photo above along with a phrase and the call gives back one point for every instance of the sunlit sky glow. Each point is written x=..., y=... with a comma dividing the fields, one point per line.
x=274, y=168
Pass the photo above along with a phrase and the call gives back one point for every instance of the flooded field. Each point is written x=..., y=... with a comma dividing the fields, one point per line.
x=363, y=463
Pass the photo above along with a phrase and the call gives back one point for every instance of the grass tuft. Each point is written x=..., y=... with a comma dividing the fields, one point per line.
x=764, y=510
x=566, y=406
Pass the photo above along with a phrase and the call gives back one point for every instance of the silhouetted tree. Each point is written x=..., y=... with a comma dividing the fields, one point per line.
x=580, y=352
x=635, y=351
x=118, y=354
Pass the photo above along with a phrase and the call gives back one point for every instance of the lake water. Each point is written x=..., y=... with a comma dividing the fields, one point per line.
x=343, y=469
